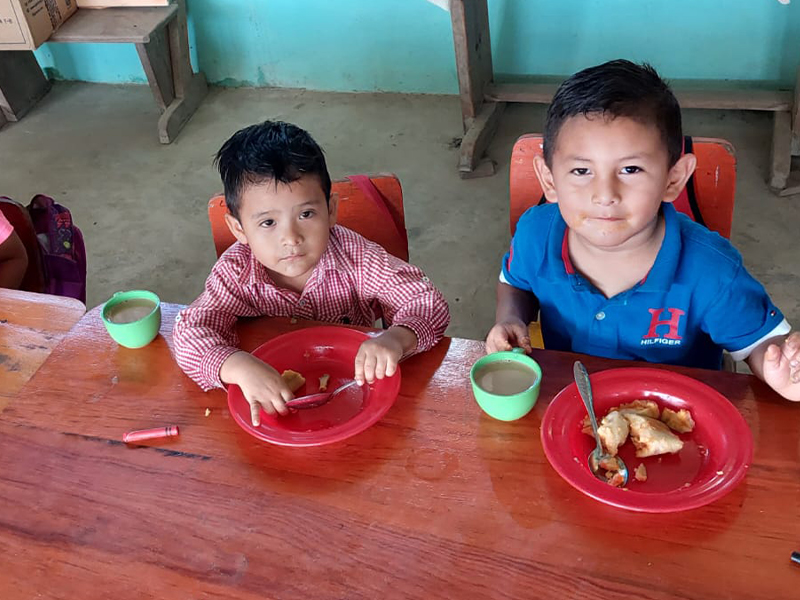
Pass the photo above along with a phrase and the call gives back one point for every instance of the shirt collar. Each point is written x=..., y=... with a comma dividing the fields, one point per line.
x=662, y=274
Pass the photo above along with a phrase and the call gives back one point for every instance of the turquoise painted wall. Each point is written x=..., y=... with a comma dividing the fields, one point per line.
x=406, y=45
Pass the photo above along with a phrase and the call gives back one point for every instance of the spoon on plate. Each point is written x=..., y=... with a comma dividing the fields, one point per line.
x=318, y=399
x=599, y=461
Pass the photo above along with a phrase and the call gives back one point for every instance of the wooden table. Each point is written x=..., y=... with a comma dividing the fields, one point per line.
x=435, y=501
x=483, y=100
x=30, y=327
x=162, y=44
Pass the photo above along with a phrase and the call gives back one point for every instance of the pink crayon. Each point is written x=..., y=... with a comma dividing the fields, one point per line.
x=149, y=434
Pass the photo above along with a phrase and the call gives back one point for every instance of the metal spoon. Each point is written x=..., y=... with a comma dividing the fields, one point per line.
x=318, y=399
x=596, y=456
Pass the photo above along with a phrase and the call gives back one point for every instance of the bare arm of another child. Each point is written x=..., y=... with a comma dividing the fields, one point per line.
x=13, y=262
x=262, y=386
x=378, y=357
x=515, y=309
x=777, y=362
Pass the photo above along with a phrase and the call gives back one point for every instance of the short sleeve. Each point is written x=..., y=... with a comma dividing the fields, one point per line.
x=742, y=314
x=526, y=248
x=5, y=228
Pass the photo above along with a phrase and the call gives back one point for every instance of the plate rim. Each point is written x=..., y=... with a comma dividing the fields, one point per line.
x=664, y=502
x=340, y=433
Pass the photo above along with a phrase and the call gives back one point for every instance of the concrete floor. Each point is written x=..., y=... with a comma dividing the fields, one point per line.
x=142, y=206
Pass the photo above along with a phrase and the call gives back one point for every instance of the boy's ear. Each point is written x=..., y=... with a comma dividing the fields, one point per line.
x=236, y=228
x=678, y=176
x=333, y=208
x=545, y=176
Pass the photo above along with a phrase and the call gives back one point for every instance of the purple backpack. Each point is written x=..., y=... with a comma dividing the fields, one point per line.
x=63, y=251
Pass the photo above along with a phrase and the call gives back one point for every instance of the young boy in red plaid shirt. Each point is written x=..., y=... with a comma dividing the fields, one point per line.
x=292, y=260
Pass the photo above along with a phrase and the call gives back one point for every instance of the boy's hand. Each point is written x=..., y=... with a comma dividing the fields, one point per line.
x=781, y=367
x=378, y=357
x=262, y=386
x=508, y=334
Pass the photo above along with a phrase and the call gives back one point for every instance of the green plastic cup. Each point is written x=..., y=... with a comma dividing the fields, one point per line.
x=142, y=321
x=507, y=407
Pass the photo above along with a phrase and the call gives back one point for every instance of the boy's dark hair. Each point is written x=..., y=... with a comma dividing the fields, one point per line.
x=269, y=151
x=618, y=88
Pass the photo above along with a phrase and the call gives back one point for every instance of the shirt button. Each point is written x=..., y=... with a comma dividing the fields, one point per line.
x=302, y=303
x=425, y=279
x=600, y=316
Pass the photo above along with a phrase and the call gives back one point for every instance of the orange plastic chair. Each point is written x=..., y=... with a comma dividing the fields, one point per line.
x=357, y=211
x=20, y=220
x=714, y=185
x=714, y=180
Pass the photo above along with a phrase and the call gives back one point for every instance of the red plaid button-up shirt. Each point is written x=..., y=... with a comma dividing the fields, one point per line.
x=353, y=276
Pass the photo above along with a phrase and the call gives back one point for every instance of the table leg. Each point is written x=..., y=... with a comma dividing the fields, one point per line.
x=781, y=155
x=22, y=83
x=157, y=65
x=473, y=50
x=190, y=87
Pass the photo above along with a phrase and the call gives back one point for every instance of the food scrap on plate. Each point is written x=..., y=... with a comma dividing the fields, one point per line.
x=649, y=429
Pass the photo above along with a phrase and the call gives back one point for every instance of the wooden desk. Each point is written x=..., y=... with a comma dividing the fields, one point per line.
x=436, y=501
x=162, y=44
x=30, y=327
x=483, y=100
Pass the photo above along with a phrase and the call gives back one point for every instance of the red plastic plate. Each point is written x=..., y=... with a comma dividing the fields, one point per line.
x=313, y=352
x=714, y=458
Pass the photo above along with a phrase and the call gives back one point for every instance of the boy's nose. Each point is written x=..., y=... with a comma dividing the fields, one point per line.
x=291, y=236
x=605, y=191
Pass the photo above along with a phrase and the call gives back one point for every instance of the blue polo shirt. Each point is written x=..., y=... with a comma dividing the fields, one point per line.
x=697, y=299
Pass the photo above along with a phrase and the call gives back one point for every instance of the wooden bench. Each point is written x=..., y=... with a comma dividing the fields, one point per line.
x=483, y=100
x=162, y=44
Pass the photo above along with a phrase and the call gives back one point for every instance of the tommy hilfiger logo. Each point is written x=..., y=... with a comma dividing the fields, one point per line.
x=671, y=337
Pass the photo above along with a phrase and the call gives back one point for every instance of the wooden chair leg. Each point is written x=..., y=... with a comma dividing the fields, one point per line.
x=22, y=83
x=190, y=88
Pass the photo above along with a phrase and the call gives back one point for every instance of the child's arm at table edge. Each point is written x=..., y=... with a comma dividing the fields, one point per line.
x=515, y=309
x=204, y=332
x=13, y=261
x=777, y=362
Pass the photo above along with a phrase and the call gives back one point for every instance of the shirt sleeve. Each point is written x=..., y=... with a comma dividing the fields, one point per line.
x=406, y=296
x=514, y=270
x=742, y=315
x=204, y=332
x=5, y=228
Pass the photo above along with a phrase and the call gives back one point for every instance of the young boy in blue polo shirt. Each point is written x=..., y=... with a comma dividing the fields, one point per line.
x=614, y=270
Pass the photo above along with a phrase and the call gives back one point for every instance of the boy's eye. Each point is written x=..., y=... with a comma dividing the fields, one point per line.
x=580, y=171
x=631, y=170
x=306, y=214
x=267, y=223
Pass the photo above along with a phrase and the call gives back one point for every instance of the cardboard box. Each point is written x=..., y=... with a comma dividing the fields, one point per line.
x=26, y=24
x=113, y=3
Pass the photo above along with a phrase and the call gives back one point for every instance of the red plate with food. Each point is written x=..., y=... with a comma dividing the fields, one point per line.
x=711, y=460
x=314, y=353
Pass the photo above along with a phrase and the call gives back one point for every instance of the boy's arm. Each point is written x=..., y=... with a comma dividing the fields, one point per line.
x=13, y=261
x=777, y=362
x=204, y=333
x=515, y=309
x=408, y=299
